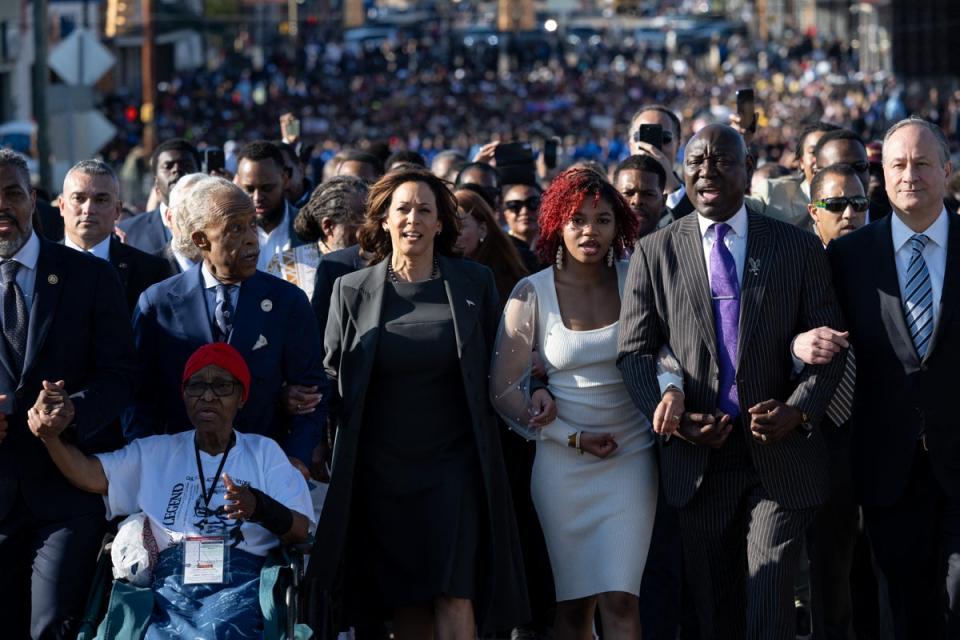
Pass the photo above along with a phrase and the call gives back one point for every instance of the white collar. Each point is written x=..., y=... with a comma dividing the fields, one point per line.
x=209, y=280
x=937, y=232
x=100, y=250
x=805, y=188
x=737, y=223
x=29, y=253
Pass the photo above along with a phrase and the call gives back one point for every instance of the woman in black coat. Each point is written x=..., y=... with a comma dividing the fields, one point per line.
x=418, y=518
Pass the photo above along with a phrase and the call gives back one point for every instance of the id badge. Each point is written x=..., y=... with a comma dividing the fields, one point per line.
x=204, y=559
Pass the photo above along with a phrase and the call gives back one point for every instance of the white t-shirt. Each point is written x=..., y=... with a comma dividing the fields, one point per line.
x=158, y=475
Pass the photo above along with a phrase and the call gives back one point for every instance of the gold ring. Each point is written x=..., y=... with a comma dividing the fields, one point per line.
x=674, y=418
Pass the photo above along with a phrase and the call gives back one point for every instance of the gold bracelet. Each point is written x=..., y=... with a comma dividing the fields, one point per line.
x=572, y=440
x=579, y=442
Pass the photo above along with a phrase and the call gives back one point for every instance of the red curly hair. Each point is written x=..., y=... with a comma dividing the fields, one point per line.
x=563, y=199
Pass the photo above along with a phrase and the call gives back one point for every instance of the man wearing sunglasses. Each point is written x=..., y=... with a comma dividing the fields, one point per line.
x=839, y=205
x=845, y=147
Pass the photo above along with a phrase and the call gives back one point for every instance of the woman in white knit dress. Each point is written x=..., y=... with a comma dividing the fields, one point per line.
x=595, y=476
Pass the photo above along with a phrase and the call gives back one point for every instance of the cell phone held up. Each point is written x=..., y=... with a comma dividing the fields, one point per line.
x=515, y=162
x=212, y=160
x=747, y=110
x=652, y=134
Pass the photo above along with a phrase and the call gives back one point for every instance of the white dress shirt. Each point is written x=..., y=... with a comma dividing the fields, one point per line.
x=273, y=244
x=935, y=254
x=185, y=263
x=100, y=250
x=736, y=240
x=27, y=274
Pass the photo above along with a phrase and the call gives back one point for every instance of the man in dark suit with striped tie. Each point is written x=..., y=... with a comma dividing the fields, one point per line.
x=727, y=290
x=899, y=285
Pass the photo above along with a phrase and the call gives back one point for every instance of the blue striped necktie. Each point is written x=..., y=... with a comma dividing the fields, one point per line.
x=918, y=296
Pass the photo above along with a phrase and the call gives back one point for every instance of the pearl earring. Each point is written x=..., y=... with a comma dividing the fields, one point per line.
x=559, y=258
x=610, y=256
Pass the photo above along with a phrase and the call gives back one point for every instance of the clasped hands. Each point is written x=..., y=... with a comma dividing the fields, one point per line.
x=770, y=422
x=52, y=412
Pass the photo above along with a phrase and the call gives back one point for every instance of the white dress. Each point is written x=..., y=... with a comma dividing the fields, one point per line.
x=597, y=514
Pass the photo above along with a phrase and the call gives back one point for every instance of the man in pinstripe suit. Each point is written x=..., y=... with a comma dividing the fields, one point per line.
x=749, y=466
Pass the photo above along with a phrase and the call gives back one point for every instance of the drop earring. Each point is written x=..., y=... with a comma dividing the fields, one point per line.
x=610, y=257
x=560, y=258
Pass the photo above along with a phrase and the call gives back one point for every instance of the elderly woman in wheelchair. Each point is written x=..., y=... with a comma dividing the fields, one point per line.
x=214, y=503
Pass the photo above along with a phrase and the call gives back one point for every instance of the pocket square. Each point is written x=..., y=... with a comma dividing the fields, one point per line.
x=471, y=303
x=261, y=342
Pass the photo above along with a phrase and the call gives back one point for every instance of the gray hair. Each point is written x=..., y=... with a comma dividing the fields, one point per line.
x=93, y=168
x=201, y=206
x=178, y=194
x=9, y=157
x=929, y=126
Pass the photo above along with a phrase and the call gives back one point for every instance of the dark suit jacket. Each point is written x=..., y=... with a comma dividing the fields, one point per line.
x=351, y=341
x=79, y=332
x=898, y=397
x=145, y=231
x=331, y=266
x=667, y=301
x=137, y=270
x=171, y=321
x=51, y=222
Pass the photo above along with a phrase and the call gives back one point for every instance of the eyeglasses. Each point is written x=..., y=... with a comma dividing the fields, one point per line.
x=839, y=205
x=532, y=204
x=220, y=388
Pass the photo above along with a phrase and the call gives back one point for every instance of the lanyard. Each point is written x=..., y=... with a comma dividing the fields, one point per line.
x=223, y=460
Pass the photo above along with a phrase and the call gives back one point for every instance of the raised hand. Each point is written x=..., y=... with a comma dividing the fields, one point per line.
x=241, y=503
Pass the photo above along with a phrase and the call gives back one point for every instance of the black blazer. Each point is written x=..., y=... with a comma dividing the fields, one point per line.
x=137, y=270
x=350, y=341
x=145, y=231
x=79, y=332
x=899, y=398
x=786, y=290
x=331, y=266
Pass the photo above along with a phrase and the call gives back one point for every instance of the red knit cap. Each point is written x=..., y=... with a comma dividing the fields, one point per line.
x=224, y=356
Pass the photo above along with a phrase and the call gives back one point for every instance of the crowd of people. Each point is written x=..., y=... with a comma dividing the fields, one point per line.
x=690, y=384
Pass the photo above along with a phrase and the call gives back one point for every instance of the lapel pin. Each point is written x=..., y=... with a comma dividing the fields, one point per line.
x=52, y=279
x=754, y=267
x=471, y=303
x=266, y=304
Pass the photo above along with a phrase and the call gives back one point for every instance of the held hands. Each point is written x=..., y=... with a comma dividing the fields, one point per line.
x=598, y=444
x=704, y=429
x=298, y=399
x=241, y=503
x=543, y=409
x=667, y=416
x=820, y=345
x=772, y=420
x=52, y=413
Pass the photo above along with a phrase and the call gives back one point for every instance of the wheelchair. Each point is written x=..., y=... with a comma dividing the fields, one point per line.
x=281, y=607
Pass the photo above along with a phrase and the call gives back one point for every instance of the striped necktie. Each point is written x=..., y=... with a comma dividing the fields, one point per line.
x=918, y=297
x=14, y=316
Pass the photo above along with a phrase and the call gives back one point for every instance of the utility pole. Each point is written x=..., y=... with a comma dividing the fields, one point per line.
x=148, y=68
x=40, y=91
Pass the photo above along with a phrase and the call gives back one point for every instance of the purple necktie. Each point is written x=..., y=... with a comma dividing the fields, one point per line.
x=725, y=290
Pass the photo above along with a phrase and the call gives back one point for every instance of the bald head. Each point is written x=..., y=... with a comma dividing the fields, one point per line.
x=716, y=170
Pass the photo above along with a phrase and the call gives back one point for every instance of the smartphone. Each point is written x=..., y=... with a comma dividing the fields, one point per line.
x=747, y=110
x=515, y=162
x=550, y=153
x=213, y=160
x=652, y=134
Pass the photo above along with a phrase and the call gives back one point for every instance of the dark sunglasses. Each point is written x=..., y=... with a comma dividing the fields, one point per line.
x=839, y=205
x=532, y=204
x=665, y=136
x=221, y=389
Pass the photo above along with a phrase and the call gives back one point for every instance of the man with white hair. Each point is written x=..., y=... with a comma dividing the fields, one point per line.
x=225, y=299
x=90, y=205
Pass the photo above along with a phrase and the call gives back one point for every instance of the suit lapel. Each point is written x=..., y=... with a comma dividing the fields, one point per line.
x=46, y=294
x=693, y=273
x=756, y=269
x=951, y=284
x=253, y=310
x=119, y=258
x=888, y=291
x=463, y=309
x=190, y=306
